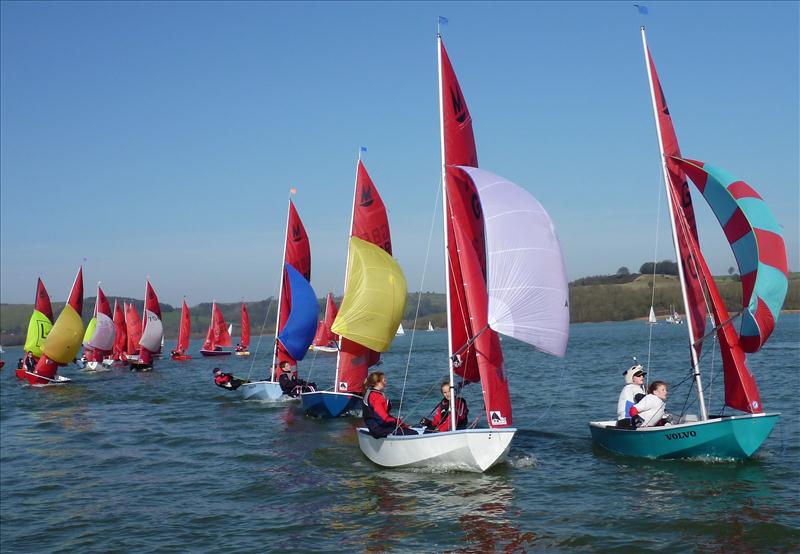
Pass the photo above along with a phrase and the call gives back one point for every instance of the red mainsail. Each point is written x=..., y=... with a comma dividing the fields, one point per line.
x=245, y=342
x=120, y=330
x=371, y=224
x=467, y=271
x=325, y=336
x=43, y=300
x=134, y=325
x=217, y=334
x=683, y=208
x=185, y=329
x=298, y=255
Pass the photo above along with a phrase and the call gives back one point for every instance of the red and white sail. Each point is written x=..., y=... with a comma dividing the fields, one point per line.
x=185, y=329
x=152, y=328
x=102, y=341
x=465, y=256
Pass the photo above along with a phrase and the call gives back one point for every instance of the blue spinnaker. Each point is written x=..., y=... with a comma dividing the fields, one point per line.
x=300, y=328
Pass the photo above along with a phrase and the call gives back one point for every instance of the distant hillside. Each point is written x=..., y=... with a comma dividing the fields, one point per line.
x=597, y=298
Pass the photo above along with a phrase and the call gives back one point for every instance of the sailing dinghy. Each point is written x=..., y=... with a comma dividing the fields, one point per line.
x=63, y=341
x=39, y=326
x=134, y=325
x=496, y=229
x=152, y=331
x=651, y=317
x=760, y=253
x=217, y=336
x=180, y=353
x=296, y=321
x=430, y=327
x=244, y=343
x=325, y=340
x=400, y=331
x=375, y=294
x=120, y=336
x=100, y=334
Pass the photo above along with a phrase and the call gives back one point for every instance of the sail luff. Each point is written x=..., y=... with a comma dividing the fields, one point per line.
x=245, y=335
x=185, y=328
x=280, y=292
x=688, y=306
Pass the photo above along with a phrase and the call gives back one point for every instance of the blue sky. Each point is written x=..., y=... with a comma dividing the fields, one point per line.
x=161, y=138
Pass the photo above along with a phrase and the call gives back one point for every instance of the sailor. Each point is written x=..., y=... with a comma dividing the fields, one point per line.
x=227, y=380
x=239, y=347
x=30, y=362
x=291, y=385
x=441, y=417
x=631, y=393
x=376, y=409
x=649, y=411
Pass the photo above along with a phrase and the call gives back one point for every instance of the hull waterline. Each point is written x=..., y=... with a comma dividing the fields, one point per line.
x=211, y=353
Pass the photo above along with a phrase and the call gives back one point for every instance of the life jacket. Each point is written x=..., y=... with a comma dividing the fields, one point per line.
x=368, y=412
x=223, y=379
x=442, y=416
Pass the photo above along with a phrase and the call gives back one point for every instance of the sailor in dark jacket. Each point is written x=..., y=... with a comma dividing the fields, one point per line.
x=441, y=417
x=291, y=385
x=227, y=380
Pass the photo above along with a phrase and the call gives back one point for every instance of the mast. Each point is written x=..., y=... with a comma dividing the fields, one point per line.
x=453, y=410
x=280, y=292
x=346, y=269
x=695, y=361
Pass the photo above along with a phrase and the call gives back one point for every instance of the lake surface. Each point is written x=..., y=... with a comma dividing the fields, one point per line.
x=167, y=462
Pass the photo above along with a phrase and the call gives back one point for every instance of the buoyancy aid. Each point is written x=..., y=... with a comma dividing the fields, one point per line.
x=441, y=419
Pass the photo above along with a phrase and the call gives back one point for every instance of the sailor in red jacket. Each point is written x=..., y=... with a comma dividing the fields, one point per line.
x=376, y=409
x=227, y=380
x=441, y=417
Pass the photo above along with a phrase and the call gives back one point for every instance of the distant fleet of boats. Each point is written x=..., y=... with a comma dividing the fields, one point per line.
x=504, y=275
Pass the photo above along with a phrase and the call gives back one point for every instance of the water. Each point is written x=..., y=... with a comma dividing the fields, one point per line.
x=167, y=462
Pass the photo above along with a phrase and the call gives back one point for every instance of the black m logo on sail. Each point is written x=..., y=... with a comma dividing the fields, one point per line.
x=458, y=105
x=366, y=196
x=664, y=109
x=296, y=235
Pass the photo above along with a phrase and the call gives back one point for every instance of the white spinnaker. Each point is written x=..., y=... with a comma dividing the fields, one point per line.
x=526, y=276
x=151, y=338
x=103, y=338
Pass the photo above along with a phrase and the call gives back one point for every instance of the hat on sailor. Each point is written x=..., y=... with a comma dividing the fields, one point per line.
x=632, y=371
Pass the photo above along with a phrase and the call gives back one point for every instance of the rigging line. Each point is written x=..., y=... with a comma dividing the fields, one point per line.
x=419, y=300
x=715, y=329
x=553, y=400
x=655, y=258
x=260, y=336
x=714, y=344
x=311, y=370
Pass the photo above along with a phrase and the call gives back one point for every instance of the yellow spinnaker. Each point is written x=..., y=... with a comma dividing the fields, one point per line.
x=38, y=328
x=375, y=299
x=64, y=340
x=87, y=336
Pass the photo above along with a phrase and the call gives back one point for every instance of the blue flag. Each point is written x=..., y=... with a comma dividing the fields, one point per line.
x=363, y=149
x=642, y=9
x=442, y=21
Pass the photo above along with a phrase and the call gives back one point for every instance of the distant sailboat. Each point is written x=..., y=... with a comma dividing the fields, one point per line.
x=152, y=331
x=674, y=318
x=758, y=245
x=325, y=340
x=296, y=321
x=244, y=343
x=430, y=327
x=134, y=326
x=400, y=331
x=651, y=318
x=39, y=326
x=99, y=343
x=120, y=334
x=64, y=340
x=180, y=353
x=218, y=335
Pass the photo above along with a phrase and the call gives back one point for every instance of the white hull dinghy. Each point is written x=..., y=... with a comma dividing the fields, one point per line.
x=468, y=450
x=264, y=391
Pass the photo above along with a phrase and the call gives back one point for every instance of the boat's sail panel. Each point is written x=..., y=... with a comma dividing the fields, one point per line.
x=90, y=328
x=134, y=325
x=325, y=336
x=120, y=330
x=375, y=300
x=298, y=255
x=64, y=340
x=103, y=337
x=245, y=338
x=218, y=334
x=301, y=323
x=459, y=149
x=185, y=328
x=152, y=328
x=369, y=213
x=681, y=201
x=526, y=276
x=41, y=321
x=757, y=243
